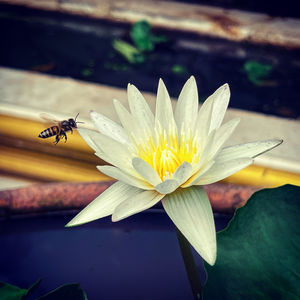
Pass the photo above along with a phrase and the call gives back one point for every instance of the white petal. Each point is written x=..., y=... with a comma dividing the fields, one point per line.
x=164, y=112
x=114, y=153
x=140, y=109
x=208, y=149
x=128, y=121
x=91, y=138
x=136, y=204
x=167, y=186
x=187, y=105
x=215, y=141
x=202, y=126
x=108, y=127
x=221, y=99
x=183, y=172
x=104, y=144
x=104, y=157
x=193, y=179
x=146, y=171
x=222, y=135
x=124, y=177
x=247, y=150
x=222, y=170
x=191, y=212
x=105, y=204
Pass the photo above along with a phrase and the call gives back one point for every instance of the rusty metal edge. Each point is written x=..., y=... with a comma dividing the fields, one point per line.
x=50, y=197
x=231, y=24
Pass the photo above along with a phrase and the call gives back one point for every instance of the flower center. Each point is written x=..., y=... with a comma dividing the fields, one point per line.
x=166, y=153
x=165, y=162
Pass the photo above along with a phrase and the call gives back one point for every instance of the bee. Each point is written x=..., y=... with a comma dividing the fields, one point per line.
x=60, y=130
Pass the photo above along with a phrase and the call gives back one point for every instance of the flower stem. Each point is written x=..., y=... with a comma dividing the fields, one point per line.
x=190, y=265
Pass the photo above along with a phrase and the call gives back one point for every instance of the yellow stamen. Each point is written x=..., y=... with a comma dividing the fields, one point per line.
x=166, y=152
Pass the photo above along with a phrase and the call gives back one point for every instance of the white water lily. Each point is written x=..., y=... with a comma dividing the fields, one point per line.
x=168, y=157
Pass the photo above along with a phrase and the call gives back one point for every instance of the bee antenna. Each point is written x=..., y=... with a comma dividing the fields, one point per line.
x=80, y=122
x=76, y=117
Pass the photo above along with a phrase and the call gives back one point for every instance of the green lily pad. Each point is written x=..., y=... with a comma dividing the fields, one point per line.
x=257, y=72
x=11, y=292
x=259, y=251
x=179, y=69
x=71, y=291
x=129, y=52
x=143, y=38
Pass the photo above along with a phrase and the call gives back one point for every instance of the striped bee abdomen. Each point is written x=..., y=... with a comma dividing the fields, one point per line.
x=51, y=131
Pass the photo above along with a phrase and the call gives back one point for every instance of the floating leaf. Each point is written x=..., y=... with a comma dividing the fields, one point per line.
x=71, y=291
x=258, y=252
x=257, y=72
x=115, y=66
x=87, y=72
x=33, y=287
x=143, y=38
x=179, y=69
x=11, y=292
x=132, y=54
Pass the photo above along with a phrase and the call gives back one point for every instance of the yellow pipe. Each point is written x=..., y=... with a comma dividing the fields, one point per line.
x=52, y=167
x=263, y=177
x=47, y=167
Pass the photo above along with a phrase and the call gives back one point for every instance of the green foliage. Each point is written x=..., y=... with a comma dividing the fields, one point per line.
x=132, y=54
x=257, y=72
x=258, y=253
x=179, y=69
x=70, y=291
x=115, y=66
x=11, y=292
x=143, y=38
x=87, y=72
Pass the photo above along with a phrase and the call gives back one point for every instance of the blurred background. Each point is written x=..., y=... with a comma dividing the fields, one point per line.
x=64, y=57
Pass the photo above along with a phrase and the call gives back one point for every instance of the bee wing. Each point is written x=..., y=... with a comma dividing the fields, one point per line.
x=49, y=118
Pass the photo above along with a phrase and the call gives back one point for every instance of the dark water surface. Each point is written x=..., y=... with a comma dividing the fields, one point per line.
x=81, y=48
x=137, y=258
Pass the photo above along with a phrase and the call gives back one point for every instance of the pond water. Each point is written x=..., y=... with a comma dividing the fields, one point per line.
x=137, y=258
x=262, y=79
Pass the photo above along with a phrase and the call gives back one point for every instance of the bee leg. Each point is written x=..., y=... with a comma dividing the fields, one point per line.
x=69, y=128
x=65, y=136
x=57, y=139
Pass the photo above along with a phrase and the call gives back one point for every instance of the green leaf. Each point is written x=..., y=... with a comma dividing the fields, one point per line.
x=33, y=287
x=257, y=72
x=11, y=292
x=115, y=66
x=87, y=72
x=143, y=38
x=179, y=69
x=259, y=251
x=132, y=54
x=71, y=291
